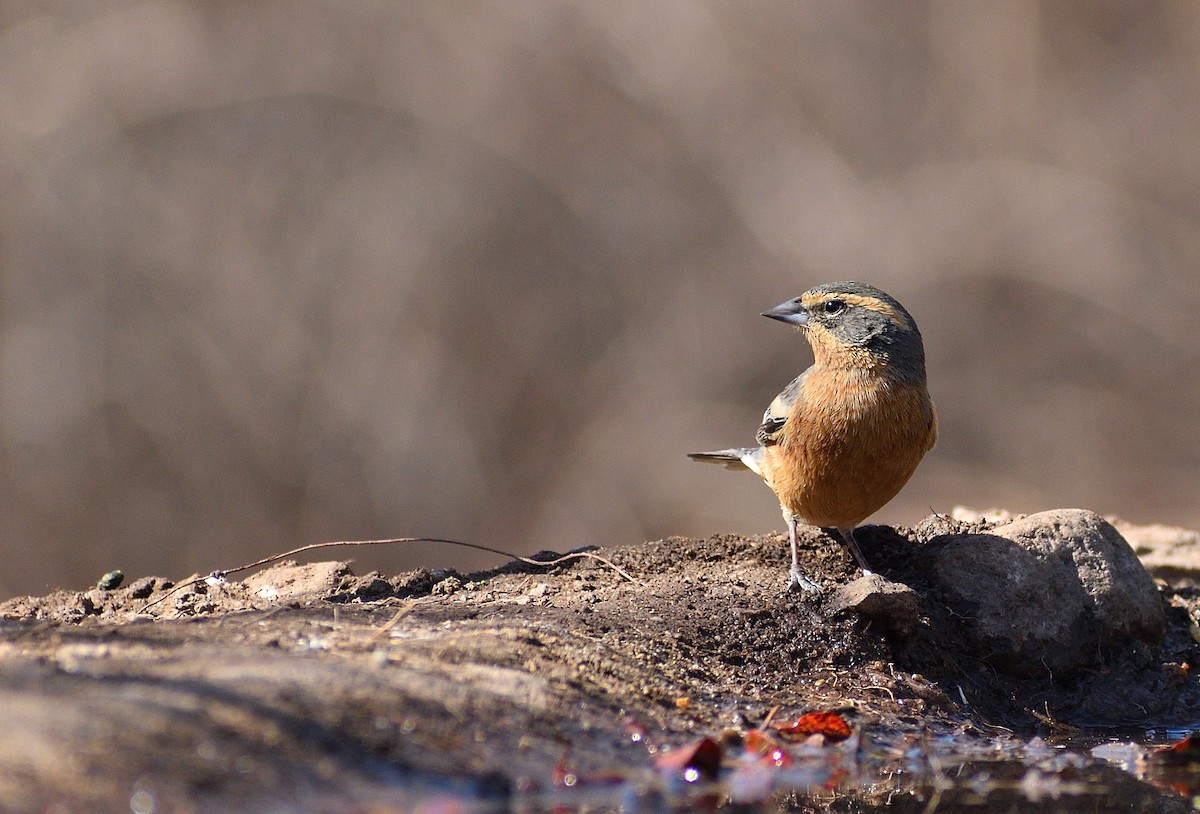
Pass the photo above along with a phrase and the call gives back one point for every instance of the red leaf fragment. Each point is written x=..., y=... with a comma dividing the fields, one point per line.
x=1187, y=744
x=768, y=749
x=1185, y=751
x=836, y=777
x=829, y=724
x=562, y=775
x=702, y=756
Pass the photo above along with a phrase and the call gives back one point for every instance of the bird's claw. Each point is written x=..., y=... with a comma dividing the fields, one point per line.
x=801, y=584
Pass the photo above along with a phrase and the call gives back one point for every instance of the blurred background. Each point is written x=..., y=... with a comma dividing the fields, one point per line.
x=275, y=273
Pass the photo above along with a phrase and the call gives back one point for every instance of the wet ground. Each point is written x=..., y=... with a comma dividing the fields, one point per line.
x=657, y=681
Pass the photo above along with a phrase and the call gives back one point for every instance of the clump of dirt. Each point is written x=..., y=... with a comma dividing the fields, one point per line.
x=308, y=681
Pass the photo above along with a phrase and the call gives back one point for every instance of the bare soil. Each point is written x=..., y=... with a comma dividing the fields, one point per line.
x=306, y=687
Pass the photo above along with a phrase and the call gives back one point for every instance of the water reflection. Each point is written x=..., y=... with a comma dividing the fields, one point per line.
x=913, y=772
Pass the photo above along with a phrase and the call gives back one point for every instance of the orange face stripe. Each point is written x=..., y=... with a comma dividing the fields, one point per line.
x=874, y=304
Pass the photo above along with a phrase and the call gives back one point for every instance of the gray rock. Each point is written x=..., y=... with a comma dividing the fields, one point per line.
x=1048, y=593
x=891, y=604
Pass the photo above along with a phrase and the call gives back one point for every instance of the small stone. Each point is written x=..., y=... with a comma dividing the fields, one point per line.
x=143, y=588
x=891, y=604
x=447, y=586
x=111, y=581
x=965, y=514
x=373, y=588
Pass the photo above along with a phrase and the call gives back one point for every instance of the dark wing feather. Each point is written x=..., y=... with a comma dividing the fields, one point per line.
x=776, y=415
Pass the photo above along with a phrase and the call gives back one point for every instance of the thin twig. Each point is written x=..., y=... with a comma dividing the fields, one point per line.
x=393, y=541
x=770, y=716
x=400, y=614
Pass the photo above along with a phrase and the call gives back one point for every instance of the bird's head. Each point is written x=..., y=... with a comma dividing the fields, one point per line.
x=854, y=324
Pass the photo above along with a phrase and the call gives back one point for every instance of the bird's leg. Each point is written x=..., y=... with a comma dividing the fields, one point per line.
x=848, y=536
x=798, y=581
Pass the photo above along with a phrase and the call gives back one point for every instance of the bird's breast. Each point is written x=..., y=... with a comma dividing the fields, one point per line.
x=851, y=441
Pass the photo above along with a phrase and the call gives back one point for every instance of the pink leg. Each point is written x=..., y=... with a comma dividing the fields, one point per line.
x=798, y=581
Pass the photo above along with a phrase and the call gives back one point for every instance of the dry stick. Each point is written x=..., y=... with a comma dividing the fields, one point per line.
x=394, y=541
x=770, y=716
x=400, y=614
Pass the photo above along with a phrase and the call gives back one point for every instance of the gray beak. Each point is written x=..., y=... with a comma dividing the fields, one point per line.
x=791, y=312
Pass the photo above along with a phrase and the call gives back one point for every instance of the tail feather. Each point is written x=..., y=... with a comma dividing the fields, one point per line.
x=737, y=458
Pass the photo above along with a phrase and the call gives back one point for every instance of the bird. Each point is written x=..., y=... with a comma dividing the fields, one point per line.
x=844, y=436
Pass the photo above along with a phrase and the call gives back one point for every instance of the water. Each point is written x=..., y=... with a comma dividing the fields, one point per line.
x=911, y=772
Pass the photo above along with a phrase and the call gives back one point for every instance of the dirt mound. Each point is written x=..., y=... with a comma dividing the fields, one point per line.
x=304, y=682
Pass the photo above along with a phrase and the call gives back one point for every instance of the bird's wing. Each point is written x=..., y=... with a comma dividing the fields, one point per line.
x=777, y=414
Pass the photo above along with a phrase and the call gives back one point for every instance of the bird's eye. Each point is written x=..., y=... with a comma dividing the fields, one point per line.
x=834, y=306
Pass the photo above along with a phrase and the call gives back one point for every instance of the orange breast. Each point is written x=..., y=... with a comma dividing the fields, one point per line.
x=851, y=442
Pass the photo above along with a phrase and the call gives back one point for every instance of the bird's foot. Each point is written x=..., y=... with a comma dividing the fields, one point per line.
x=802, y=584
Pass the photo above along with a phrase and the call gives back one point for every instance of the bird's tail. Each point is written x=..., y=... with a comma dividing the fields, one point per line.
x=738, y=458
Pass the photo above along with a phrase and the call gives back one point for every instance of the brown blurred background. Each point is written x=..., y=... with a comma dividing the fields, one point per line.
x=274, y=273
